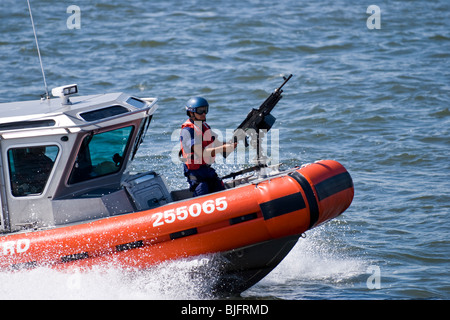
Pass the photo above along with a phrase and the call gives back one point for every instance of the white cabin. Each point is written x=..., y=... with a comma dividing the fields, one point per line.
x=63, y=160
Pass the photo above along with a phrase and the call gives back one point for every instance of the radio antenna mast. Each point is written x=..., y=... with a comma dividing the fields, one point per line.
x=47, y=96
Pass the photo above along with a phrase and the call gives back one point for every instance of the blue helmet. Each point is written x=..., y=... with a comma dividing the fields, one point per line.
x=197, y=102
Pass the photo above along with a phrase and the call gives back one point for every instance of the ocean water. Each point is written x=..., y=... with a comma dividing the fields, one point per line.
x=375, y=100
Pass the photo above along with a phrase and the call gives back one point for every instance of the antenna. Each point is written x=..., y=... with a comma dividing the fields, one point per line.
x=47, y=96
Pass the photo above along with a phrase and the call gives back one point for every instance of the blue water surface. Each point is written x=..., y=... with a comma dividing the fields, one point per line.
x=375, y=100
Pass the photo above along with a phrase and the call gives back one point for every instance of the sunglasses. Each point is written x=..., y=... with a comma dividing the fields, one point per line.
x=201, y=110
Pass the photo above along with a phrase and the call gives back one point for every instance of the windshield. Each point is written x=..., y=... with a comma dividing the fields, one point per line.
x=100, y=154
x=30, y=168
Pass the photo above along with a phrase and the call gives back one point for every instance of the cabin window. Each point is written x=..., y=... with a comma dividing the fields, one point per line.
x=27, y=124
x=100, y=154
x=103, y=113
x=30, y=168
x=136, y=103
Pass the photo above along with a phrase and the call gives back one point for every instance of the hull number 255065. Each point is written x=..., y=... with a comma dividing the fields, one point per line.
x=193, y=210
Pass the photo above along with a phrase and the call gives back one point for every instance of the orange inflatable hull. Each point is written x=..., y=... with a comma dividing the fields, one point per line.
x=279, y=207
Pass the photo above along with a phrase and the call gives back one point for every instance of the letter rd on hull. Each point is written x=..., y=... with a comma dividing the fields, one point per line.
x=14, y=247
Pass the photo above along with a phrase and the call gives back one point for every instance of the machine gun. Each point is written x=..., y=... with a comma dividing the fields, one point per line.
x=256, y=121
x=260, y=119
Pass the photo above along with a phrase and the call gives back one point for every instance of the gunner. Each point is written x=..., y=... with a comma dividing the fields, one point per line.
x=199, y=146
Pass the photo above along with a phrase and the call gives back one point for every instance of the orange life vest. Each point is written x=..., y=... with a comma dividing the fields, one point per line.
x=202, y=137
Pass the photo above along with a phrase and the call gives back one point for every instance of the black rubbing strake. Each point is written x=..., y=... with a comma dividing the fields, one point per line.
x=24, y=265
x=184, y=233
x=130, y=245
x=283, y=205
x=244, y=218
x=333, y=185
x=75, y=256
x=310, y=197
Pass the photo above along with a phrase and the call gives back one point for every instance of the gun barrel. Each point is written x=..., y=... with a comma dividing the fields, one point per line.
x=256, y=117
x=285, y=80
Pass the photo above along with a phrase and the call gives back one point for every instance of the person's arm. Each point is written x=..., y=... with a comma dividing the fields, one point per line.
x=225, y=149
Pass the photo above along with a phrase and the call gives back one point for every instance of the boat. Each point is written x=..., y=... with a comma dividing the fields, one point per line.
x=68, y=201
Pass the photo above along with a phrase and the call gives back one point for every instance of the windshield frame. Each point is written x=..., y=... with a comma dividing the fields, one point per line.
x=101, y=154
